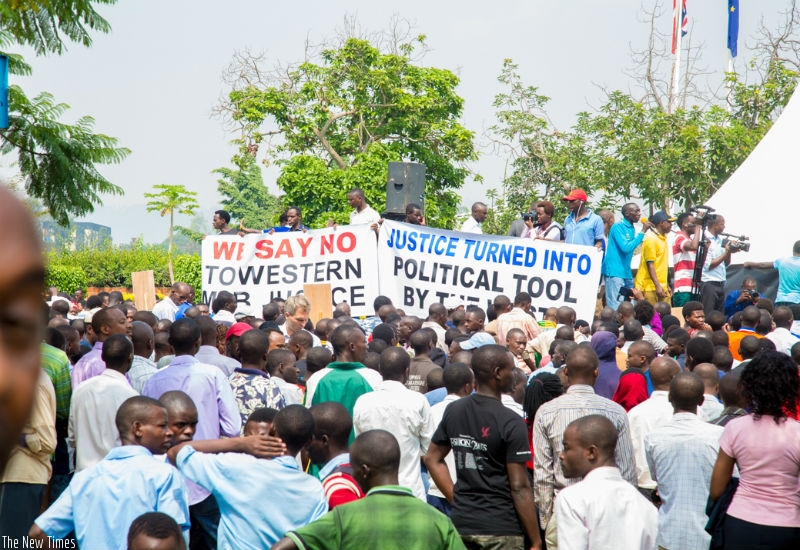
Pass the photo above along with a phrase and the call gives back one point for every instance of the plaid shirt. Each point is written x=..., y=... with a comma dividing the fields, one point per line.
x=56, y=364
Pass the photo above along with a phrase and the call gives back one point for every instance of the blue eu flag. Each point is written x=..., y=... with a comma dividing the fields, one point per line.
x=733, y=26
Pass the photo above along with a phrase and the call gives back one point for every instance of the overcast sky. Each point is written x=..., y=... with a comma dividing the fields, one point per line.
x=153, y=80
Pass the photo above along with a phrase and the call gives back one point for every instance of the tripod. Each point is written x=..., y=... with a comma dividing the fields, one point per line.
x=702, y=249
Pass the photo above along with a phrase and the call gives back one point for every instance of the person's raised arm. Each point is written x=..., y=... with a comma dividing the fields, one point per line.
x=522, y=496
x=758, y=265
x=261, y=446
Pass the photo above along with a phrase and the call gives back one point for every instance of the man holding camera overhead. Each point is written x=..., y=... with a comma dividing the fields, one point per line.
x=712, y=291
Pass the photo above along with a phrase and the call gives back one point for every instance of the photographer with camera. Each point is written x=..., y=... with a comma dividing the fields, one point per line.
x=622, y=241
x=539, y=223
x=720, y=248
x=737, y=300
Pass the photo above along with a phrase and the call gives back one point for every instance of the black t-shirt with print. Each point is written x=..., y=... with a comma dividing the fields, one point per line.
x=484, y=436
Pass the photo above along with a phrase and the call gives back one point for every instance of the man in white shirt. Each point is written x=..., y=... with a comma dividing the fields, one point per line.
x=650, y=414
x=282, y=368
x=92, y=427
x=681, y=456
x=603, y=510
x=459, y=382
x=402, y=412
x=296, y=310
x=362, y=212
x=711, y=406
x=782, y=336
x=473, y=223
x=168, y=307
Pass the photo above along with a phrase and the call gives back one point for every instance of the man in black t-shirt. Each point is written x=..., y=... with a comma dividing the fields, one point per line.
x=492, y=501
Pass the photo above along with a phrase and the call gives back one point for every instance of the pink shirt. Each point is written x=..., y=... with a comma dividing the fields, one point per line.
x=768, y=456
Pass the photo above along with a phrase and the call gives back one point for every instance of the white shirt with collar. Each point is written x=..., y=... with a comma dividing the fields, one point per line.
x=92, y=412
x=291, y=393
x=165, y=309
x=711, y=407
x=605, y=512
x=783, y=340
x=367, y=215
x=437, y=413
x=406, y=414
x=471, y=225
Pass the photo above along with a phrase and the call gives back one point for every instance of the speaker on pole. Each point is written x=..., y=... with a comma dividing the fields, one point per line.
x=406, y=185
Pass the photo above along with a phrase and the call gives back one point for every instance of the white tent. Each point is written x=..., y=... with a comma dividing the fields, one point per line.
x=761, y=198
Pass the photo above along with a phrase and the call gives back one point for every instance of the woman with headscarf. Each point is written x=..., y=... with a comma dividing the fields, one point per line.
x=604, y=344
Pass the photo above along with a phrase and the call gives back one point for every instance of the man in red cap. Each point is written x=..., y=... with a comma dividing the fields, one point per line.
x=232, y=339
x=582, y=226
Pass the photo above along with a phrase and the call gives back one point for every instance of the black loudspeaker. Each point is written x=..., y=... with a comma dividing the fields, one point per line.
x=406, y=185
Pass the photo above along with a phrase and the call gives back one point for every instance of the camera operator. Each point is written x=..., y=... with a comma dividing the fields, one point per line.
x=540, y=225
x=712, y=291
x=737, y=300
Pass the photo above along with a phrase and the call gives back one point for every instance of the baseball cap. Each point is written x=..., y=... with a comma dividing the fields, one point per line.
x=243, y=310
x=477, y=340
x=237, y=329
x=661, y=216
x=576, y=195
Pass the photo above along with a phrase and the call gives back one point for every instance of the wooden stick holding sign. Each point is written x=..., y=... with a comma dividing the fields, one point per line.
x=321, y=298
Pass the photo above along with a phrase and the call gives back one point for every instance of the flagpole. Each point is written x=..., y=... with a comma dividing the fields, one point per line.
x=677, y=20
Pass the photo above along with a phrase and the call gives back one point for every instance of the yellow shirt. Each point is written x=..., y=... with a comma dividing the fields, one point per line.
x=654, y=249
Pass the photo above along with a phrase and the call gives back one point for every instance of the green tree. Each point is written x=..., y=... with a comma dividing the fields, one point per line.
x=337, y=119
x=245, y=196
x=169, y=200
x=57, y=161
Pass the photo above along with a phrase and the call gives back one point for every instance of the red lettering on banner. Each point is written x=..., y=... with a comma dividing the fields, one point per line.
x=326, y=244
x=284, y=249
x=304, y=244
x=351, y=242
x=227, y=248
x=264, y=249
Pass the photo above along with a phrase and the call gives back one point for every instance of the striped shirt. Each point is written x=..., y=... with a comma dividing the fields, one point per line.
x=683, y=262
x=681, y=455
x=551, y=420
x=56, y=364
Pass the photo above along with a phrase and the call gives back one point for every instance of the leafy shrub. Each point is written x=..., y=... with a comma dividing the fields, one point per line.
x=66, y=278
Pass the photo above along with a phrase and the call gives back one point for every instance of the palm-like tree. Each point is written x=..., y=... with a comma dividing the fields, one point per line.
x=169, y=200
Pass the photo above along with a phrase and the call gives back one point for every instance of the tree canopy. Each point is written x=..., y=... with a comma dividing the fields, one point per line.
x=57, y=161
x=245, y=197
x=334, y=121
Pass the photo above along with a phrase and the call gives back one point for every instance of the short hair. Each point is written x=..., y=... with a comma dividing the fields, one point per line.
x=749, y=346
x=385, y=332
x=302, y=338
x=295, y=425
x=565, y=332
x=341, y=336
x=751, y=315
x=715, y=319
x=597, y=430
x=380, y=301
x=263, y=414
x=134, y=409
x=377, y=345
x=723, y=359
x=157, y=525
x=581, y=361
x=253, y=345
x=270, y=311
x=796, y=248
x=682, y=219
x=690, y=307
x=295, y=302
x=176, y=400
x=357, y=191
x=222, y=299
x=278, y=356
x=146, y=317
x=783, y=317
x=486, y=358
x=183, y=334
x=701, y=350
x=117, y=351
x=394, y=362
x=478, y=312
x=643, y=312
x=435, y=379
x=332, y=419
x=101, y=319
x=680, y=336
x=378, y=449
x=565, y=315
x=686, y=391
x=549, y=207
x=419, y=341
x=632, y=330
x=720, y=338
x=93, y=302
x=208, y=330
x=318, y=358
x=456, y=376
x=223, y=214
x=410, y=207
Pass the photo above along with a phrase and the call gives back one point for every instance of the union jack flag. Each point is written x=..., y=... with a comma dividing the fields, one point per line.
x=676, y=6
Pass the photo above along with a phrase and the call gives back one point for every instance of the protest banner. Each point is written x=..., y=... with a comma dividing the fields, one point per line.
x=419, y=266
x=258, y=268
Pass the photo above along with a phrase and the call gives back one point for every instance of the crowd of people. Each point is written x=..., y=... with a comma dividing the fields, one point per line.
x=225, y=425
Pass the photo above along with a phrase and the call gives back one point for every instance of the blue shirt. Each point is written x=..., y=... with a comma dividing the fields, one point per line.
x=730, y=307
x=436, y=396
x=788, y=279
x=622, y=241
x=102, y=501
x=259, y=500
x=587, y=230
x=182, y=310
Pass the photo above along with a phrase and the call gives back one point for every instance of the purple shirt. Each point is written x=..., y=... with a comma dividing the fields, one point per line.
x=217, y=412
x=211, y=356
x=88, y=366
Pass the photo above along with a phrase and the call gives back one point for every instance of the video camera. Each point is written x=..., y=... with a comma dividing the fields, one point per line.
x=736, y=243
x=531, y=216
x=701, y=211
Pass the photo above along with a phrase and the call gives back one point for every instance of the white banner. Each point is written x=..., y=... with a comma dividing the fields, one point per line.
x=258, y=268
x=419, y=266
